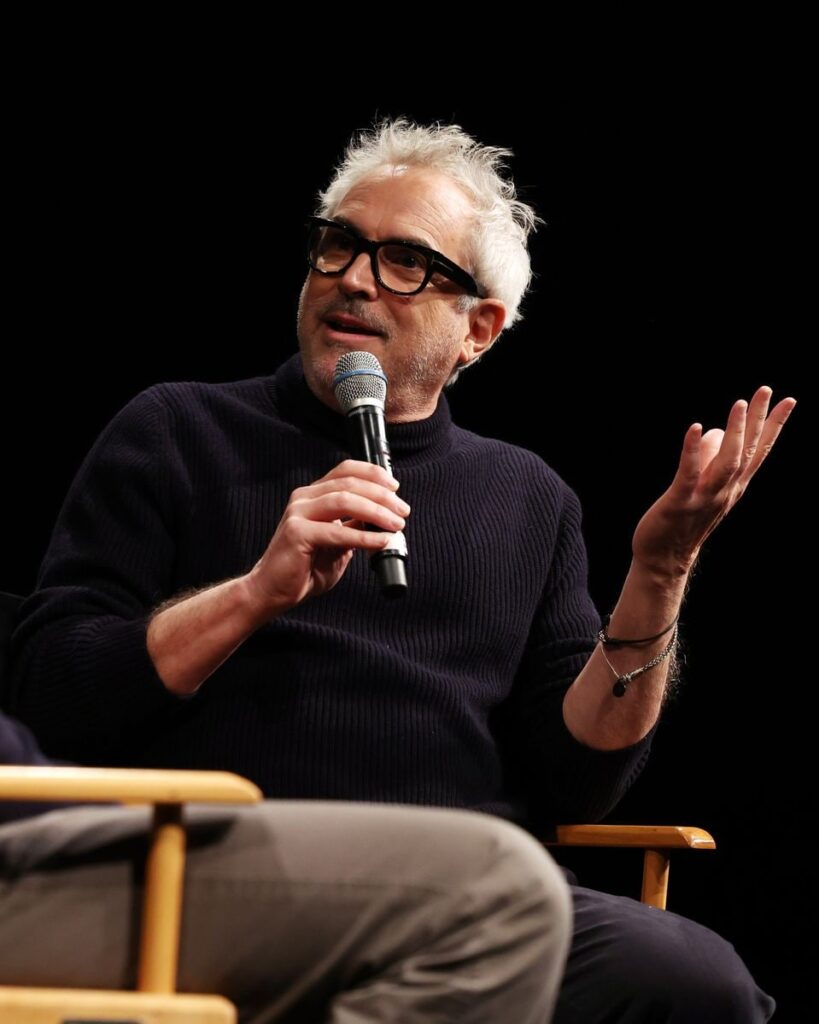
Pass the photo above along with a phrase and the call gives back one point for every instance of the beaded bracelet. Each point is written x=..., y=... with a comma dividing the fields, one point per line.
x=622, y=681
x=614, y=641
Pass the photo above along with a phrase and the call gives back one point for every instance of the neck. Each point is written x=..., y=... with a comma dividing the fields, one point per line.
x=416, y=438
x=400, y=408
x=408, y=412
x=403, y=404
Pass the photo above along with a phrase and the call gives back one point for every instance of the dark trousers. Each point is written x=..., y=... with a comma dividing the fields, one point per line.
x=633, y=964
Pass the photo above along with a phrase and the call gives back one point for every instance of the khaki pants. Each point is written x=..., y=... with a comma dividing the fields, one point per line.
x=301, y=911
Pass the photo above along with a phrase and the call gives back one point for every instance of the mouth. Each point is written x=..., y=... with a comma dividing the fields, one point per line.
x=341, y=324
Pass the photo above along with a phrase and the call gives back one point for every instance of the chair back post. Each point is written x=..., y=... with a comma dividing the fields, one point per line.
x=162, y=905
x=656, y=864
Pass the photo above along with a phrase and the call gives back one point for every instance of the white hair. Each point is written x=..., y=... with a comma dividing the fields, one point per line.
x=497, y=249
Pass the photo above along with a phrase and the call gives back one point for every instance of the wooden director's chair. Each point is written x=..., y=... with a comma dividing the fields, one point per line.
x=156, y=1000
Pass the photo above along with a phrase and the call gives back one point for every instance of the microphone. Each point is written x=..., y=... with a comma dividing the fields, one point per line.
x=361, y=390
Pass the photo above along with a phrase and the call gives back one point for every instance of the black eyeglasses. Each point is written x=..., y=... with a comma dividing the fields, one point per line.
x=404, y=268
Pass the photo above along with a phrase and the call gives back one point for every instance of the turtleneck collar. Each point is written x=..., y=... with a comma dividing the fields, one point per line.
x=417, y=441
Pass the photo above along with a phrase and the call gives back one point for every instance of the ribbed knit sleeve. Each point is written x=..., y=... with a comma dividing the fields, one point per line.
x=560, y=779
x=82, y=677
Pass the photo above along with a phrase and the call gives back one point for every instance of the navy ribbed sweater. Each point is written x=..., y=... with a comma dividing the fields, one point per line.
x=451, y=696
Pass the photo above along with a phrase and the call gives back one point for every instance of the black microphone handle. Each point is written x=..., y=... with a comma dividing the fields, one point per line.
x=367, y=432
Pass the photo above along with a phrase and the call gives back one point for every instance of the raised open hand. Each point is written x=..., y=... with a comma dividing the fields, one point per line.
x=714, y=471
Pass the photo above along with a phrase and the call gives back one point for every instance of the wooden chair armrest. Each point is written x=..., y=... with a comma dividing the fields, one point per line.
x=654, y=840
x=124, y=785
x=656, y=837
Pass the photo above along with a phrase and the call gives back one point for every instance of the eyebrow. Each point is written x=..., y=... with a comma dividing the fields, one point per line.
x=405, y=239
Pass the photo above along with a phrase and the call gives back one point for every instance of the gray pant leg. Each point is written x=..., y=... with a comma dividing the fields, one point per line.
x=306, y=912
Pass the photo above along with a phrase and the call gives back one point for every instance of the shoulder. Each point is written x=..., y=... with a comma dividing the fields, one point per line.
x=177, y=407
x=523, y=471
x=190, y=397
x=174, y=423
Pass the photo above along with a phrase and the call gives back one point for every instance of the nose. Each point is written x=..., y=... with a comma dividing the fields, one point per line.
x=358, y=278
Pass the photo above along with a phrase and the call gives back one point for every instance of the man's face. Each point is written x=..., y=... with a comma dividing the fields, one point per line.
x=418, y=339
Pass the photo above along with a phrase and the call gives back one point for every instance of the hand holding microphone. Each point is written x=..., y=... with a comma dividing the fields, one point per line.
x=361, y=390
x=320, y=528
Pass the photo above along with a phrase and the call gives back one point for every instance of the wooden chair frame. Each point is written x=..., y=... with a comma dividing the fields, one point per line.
x=656, y=841
x=155, y=1000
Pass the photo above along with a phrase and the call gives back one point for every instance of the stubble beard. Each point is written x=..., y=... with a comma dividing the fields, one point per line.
x=423, y=371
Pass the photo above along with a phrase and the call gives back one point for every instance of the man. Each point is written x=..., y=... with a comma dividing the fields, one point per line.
x=485, y=688
x=296, y=911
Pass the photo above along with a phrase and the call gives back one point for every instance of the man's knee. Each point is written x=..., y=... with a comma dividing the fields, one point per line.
x=657, y=964
x=505, y=928
x=696, y=976
x=517, y=873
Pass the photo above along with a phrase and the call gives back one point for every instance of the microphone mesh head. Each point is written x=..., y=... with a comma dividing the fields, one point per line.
x=359, y=375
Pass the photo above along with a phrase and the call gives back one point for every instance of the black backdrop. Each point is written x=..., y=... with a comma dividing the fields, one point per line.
x=160, y=239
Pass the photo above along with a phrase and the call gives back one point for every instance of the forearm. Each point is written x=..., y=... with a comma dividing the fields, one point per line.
x=648, y=603
x=189, y=638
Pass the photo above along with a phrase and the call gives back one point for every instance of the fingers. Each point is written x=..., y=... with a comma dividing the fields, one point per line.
x=333, y=511
x=321, y=527
x=361, y=478
x=344, y=536
x=732, y=455
x=712, y=475
x=744, y=460
x=749, y=436
x=728, y=460
x=352, y=490
x=363, y=471
x=770, y=427
x=755, y=423
x=347, y=504
x=371, y=490
x=688, y=471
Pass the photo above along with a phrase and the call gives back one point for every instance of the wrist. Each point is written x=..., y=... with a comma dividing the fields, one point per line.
x=648, y=606
x=663, y=574
x=258, y=604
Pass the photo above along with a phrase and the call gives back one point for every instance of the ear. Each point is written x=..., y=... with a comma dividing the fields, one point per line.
x=485, y=323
